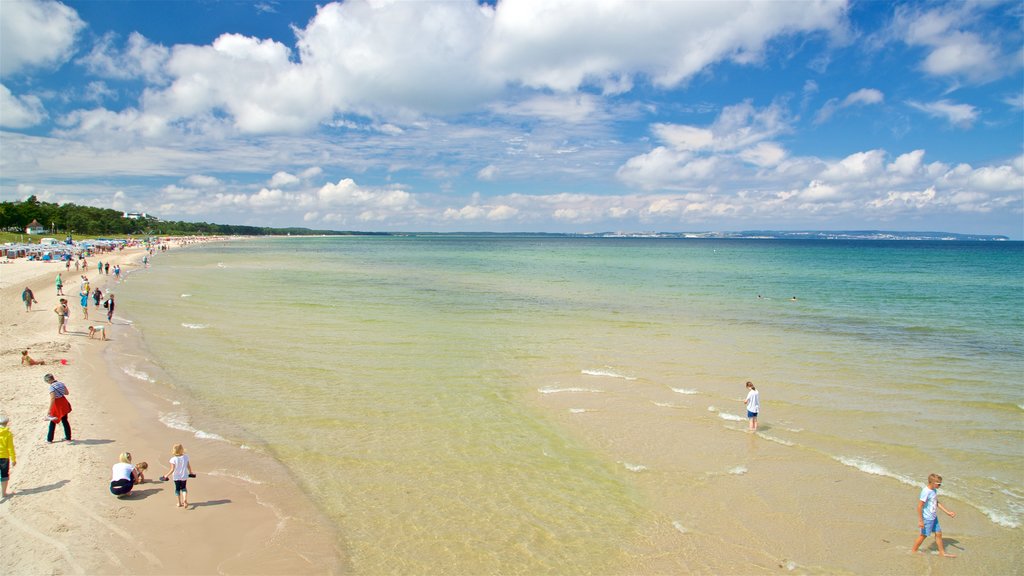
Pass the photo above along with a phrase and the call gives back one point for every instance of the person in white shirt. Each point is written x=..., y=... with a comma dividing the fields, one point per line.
x=753, y=402
x=123, y=476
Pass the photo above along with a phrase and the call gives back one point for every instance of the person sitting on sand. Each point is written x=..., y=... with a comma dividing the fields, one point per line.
x=98, y=331
x=124, y=476
x=27, y=360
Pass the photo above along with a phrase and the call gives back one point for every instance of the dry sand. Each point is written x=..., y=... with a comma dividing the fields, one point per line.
x=62, y=518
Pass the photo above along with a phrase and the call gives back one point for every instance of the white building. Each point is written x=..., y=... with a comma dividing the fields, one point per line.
x=35, y=228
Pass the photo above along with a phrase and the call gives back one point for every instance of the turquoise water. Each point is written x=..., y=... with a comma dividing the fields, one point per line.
x=402, y=378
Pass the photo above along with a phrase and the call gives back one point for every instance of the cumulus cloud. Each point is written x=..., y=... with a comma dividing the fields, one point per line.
x=283, y=179
x=36, y=34
x=401, y=60
x=20, y=111
x=959, y=115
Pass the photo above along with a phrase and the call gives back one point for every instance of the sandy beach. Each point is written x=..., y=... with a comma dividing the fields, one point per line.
x=62, y=519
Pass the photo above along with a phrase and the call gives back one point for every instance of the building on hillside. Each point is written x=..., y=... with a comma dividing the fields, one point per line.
x=135, y=215
x=35, y=228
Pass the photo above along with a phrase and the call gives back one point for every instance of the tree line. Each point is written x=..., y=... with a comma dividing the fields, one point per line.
x=63, y=219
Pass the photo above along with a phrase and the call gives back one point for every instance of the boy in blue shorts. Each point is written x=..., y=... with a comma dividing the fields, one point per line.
x=927, y=515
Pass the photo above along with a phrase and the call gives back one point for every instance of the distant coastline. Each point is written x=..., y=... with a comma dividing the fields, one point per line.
x=746, y=234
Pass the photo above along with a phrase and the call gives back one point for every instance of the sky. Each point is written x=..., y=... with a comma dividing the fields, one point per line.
x=521, y=115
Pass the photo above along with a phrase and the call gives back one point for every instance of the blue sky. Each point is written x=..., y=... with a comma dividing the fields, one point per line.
x=524, y=115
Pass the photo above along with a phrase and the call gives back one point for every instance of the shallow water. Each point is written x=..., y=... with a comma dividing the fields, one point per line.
x=403, y=380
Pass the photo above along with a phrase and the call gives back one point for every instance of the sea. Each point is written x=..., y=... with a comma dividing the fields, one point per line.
x=489, y=404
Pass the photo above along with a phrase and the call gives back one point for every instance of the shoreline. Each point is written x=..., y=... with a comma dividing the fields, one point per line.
x=724, y=502
x=247, y=514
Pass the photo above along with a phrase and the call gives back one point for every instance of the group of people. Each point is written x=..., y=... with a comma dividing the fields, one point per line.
x=124, y=474
x=63, y=311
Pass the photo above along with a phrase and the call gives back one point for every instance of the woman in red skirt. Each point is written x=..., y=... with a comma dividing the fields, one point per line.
x=59, y=407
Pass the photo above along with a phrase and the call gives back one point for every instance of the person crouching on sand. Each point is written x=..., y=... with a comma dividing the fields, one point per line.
x=99, y=331
x=928, y=506
x=123, y=476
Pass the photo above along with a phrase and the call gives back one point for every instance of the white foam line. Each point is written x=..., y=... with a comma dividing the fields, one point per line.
x=685, y=391
x=606, y=374
x=560, y=390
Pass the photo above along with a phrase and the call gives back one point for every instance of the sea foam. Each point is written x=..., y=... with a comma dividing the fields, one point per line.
x=685, y=391
x=606, y=374
x=194, y=326
x=560, y=390
x=178, y=421
x=137, y=374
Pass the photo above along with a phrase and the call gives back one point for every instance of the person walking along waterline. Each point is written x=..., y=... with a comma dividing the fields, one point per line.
x=59, y=408
x=928, y=506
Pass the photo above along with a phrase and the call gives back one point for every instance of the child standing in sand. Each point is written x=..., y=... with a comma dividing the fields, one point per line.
x=7, y=457
x=753, y=402
x=927, y=515
x=180, y=471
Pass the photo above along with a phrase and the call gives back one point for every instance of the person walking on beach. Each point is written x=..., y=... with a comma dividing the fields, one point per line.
x=753, y=402
x=60, y=285
x=180, y=471
x=109, y=305
x=97, y=295
x=63, y=312
x=28, y=298
x=106, y=268
x=7, y=456
x=59, y=408
x=123, y=476
x=928, y=506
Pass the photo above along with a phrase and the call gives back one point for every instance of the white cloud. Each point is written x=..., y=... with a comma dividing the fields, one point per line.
x=959, y=115
x=399, y=60
x=957, y=44
x=36, y=34
x=283, y=179
x=562, y=44
x=140, y=59
x=862, y=97
x=202, y=181
x=488, y=173
x=568, y=108
x=20, y=111
x=694, y=154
